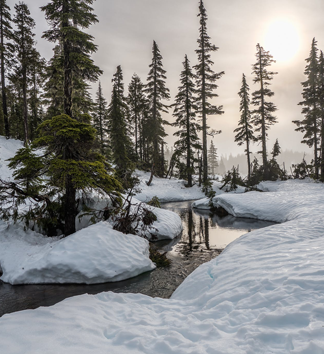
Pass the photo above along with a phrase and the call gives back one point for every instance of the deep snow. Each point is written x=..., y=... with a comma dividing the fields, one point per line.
x=167, y=190
x=94, y=254
x=263, y=294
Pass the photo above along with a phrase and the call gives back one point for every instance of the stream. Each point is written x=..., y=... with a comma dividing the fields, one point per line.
x=204, y=237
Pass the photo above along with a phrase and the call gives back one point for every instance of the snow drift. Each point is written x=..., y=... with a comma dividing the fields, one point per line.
x=96, y=254
x=263, y=294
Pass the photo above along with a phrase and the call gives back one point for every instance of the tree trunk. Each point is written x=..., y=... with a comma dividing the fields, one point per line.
x=263, y=128
x=70, y=209
x=152, y=174
x=3, y=88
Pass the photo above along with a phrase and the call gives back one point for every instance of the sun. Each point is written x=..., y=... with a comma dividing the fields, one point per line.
x=282, y=40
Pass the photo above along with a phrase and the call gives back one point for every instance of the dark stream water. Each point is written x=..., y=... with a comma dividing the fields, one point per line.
x=203, y=238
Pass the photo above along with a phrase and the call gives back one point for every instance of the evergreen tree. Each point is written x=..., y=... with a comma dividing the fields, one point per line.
x=185, y=113
x=276, y=150
x=263, y=116
x=24, y=44
x=156, y=92
x=36, y=74
x=310, y=124
x=68, y=155
x=53, y=87
x=6, y=56
x=67, y=18
x=118, y=134
x=244, y=131
x=212, y=158
x=206, y=82
x=321, y=107
x=137, y=104
x=100, y=120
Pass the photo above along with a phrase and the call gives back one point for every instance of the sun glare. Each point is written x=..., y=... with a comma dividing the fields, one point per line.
x=282, y=40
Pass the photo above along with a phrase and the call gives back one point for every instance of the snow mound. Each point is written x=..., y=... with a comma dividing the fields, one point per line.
x=8, y=148
x=167, y=190
x=92, y=255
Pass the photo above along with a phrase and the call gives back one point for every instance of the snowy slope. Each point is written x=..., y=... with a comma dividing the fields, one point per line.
x=263, y=294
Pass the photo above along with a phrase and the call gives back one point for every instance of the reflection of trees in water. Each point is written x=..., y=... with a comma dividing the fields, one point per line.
x=196, y=229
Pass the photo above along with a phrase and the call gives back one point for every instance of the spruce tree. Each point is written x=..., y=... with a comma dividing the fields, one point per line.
x=24, y=45
x=67, y=19
x=35, y=102
x=185, y=113
x=6, y=56
x=118, y=134
x=263, y=116
x=137, y=105
x=156, y=93
x=244, y=131
x=310, y=124
x=212, y=158
x=68, y=154
x=206, y=82
x=100, y=120
x=321, y=107
x=53, y=87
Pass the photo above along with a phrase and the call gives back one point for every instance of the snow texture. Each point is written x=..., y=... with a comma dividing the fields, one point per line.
x=263, y=294
x=167, y=190
x=96, y=254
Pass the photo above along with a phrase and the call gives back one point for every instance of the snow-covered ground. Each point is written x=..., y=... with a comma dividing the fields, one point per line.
x=94, y=254
x=263, y=294
x=167, y=190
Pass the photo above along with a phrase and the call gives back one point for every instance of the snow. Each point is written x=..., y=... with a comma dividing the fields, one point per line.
x=263, y=294
x=8, y=148
x=96, y=254
x=167, y=190
x=204, y=203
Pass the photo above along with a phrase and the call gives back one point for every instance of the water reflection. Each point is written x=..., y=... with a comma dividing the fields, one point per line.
x=204, y=230
x=203, y=238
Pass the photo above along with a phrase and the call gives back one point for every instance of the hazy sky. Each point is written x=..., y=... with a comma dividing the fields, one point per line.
x=127, y=28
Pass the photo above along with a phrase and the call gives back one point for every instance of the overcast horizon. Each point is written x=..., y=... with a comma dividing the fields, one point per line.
x=127, y=28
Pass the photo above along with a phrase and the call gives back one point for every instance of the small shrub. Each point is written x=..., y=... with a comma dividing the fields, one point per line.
x=160, y=259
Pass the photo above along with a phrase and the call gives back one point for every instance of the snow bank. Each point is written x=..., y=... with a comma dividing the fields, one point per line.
x=96, y=254
x=204, y=203
x=263, y=294
x=167, y=190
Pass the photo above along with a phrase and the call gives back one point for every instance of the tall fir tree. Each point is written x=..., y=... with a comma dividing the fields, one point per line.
x=321, y=107
x=206, y=82
x=185, y=113
x=24, y=45
x=100, y=120
x=6, y=56
x=263, y=116
x=36, y=73
x=244, y=131
x=67, y=19
x=212, y=159
x=137, y=104
x=156, y=93
x=118, y=134
x=310, y=124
